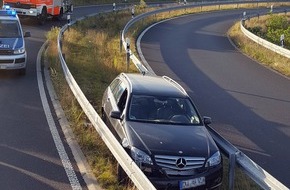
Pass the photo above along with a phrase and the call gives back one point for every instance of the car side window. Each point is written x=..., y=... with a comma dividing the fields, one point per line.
x=114, y=84
x=122, y=101
x=118, y=91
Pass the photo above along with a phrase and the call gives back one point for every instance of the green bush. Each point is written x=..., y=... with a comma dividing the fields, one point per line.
x=258, y=30
x=272, y=28
x=276, y=22
x=274, y=35
x=277, y=25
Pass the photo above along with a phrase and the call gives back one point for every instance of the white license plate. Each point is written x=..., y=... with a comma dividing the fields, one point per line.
x=191, y=183
x=2, y=67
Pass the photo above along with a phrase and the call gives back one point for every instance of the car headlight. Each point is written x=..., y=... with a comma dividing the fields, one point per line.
x=19, y=51
x=140, y=157
x=214, y=160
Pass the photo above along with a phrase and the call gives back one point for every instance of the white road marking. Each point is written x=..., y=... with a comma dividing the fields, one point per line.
x=55, y=135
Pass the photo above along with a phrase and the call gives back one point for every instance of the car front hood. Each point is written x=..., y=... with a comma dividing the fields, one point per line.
x=11, y=43
x=165, y=139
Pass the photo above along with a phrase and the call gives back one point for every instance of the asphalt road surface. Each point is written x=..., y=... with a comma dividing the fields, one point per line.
x=32, y=155
x=29, y=158
x=249, y=104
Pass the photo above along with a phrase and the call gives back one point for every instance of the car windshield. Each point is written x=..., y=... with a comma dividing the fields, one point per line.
x=9, y=29
x=162, y=109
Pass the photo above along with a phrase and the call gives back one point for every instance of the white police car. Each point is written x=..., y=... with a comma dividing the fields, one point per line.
x=12, y=45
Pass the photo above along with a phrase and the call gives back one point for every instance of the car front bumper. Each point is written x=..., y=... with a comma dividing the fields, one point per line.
x=213, y=179
x=13, y=62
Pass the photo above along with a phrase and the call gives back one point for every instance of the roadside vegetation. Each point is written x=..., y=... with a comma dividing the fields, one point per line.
x=269, y=27
x=92, y=51
x=100, y=2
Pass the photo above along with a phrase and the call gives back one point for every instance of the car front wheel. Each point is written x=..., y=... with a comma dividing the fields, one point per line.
x=103, y=116
x=122, y=177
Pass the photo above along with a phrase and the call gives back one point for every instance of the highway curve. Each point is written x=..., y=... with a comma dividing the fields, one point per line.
x=249, y=104
x=31, y=153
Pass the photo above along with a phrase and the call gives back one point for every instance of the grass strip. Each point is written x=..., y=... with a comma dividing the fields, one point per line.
x=263, y=55
x=92, y=51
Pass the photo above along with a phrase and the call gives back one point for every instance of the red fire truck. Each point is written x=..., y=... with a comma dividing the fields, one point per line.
x=40, y=9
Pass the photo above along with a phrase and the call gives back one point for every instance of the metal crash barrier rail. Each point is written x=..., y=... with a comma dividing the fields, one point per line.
x=261, y=177
x=253, y=170
x=273, y=47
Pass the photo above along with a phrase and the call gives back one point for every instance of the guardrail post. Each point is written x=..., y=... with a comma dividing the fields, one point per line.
x=114, y=7
x=133, y=11
x=282, y=38
x=121, y=41
x=68, y=21
x=60, y=44
x=271, y=9
x=244, y=18
x=128, y=52
x=232, y=164
x=128, y=59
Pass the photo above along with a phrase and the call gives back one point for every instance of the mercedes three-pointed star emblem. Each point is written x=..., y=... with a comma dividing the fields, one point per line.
x=180, y=163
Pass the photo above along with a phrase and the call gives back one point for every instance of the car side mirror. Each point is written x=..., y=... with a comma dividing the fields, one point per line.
x=27, y=34
x=206, y=120
x=115, y=114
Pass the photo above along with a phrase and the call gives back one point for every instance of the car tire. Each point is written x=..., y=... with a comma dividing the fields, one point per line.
x=60, y=16
x=121, y=175
x=103, y=116
x=42, y=17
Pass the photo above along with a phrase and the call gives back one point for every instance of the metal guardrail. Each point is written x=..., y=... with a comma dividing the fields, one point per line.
x=253, y=170
x=129, y=166
x=135, y=60
x=284, y=52
x=275, y=48
x=133, y=171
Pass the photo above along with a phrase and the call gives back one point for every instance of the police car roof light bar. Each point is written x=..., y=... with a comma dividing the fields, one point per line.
x=7, y=11
x=6, y=7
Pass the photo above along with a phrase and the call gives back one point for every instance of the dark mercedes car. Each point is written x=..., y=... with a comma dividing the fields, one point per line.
x=159, y=126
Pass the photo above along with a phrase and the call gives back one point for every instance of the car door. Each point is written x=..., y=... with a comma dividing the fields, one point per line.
x=121, y=103
x=118, y=94
x=108, y=102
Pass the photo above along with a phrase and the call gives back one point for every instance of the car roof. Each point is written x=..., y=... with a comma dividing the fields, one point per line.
x=9, y=18
x=154, y=85
x=8, y=15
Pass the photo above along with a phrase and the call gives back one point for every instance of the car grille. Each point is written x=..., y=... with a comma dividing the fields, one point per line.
x=179, y=165
x=21, y=60
x=6, y=52
x=7, y=61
